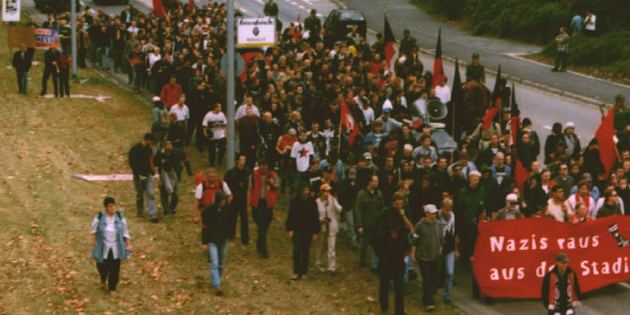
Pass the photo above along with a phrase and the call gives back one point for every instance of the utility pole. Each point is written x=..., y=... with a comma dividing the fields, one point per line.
x=231, y=130
x=73, y=27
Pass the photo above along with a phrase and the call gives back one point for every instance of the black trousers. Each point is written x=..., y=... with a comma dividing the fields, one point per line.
x=383, y=292
x=194, y=126
x=430, y=280
x=213, y=156
x=109, y=270
x=238, y=208
x=262, y=217
x=249, y=148
x=64, y=82
x=561, y=61
x=48, y=72
x=301, y=251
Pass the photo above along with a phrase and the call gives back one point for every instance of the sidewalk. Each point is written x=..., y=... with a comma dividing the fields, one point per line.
x=494, y=52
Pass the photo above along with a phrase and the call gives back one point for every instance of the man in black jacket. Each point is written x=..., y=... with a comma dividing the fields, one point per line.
x=560, y=289
x=51, y=68
x=22, y=63
x=237, y=179
x=215, y=234
x=141, y=162
x=302, y=227
x=169, y=164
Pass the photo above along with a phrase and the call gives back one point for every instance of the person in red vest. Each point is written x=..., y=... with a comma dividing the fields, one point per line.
x=171, y=92
x=560, y=288
x=206, y=190
x=263, y=196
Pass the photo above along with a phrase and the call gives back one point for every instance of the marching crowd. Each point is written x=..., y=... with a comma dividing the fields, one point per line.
x=379, y=183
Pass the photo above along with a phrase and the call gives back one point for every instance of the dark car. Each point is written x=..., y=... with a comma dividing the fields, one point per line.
x=340, y=22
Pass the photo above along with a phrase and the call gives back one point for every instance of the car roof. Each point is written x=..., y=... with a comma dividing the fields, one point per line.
x=354, y=15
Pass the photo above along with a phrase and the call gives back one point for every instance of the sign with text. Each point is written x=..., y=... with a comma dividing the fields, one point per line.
x=10, y=10
x=46, y=37
x=256, y=32
x=512, y=257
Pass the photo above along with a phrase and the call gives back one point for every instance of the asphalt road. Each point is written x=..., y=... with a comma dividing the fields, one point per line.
x=542, y=107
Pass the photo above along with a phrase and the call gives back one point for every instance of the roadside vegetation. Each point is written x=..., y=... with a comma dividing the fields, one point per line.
x=538, y=21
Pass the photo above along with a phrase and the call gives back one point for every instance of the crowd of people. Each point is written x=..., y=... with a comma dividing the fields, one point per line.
x=381, y=186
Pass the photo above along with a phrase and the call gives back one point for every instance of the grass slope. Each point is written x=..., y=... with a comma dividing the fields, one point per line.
x=45, y=218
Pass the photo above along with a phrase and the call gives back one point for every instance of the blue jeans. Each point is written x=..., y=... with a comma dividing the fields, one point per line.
x=217, y=252
x=144, y=187
x=350, y=233
x=22, y=80
x=449, y=270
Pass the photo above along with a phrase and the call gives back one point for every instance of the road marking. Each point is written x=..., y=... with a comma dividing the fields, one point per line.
x=519, y=56
x=547, y=127
x=260, y=1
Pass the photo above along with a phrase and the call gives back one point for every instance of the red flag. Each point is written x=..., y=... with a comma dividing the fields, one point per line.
x=438, y=71
x=521, y=174
x=158, y=9
x=489, y=117
x=191, y=5
x=390, y=50
x=604, y=135
x=515, y=113
x=347, y=120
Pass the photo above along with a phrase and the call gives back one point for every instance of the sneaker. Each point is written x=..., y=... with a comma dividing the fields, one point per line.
x=294, y=277
x=218, y=292
x=429, y=308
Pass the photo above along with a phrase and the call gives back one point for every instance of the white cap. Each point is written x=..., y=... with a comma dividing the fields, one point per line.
x=474, y=173
x=569, y=124
x=511, y=198
x=156, y=98
x=408, y=147
x=430, y=208
x=367, y=155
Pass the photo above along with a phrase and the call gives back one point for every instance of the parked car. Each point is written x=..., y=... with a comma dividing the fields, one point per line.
x=340, y=22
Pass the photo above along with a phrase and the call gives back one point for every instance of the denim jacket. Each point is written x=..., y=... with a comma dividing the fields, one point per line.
x=120, y=224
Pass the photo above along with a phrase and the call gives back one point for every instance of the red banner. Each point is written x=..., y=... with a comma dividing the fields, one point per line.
x=512, y=257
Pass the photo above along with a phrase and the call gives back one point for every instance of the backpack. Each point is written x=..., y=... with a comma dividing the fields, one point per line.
x=209, y=191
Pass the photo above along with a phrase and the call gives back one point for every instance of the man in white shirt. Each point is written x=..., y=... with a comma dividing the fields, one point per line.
x=557, y=207
x=443, y=92
x=214, y=124
x=590, y=22
x=302, y=152
x=181, y=110
x=242, y=110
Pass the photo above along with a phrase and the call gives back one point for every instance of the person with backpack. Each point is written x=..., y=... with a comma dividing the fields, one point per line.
x=215, y=221
x=206, y=191
x=112, y=243
x=263, y=195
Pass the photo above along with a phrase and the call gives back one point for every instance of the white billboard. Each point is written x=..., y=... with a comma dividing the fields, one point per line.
x=256, y=32
x=10, y=10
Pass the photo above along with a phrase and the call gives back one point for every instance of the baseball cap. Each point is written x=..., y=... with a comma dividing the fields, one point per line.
x=430, y=208
x=367, y=156
x=474, y=173
x=562, y=257
x=156, y=98
x=569, y=124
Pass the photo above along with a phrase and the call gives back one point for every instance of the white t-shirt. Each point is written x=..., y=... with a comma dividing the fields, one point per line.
x=133, y=29
x=217, y=123
x=302, y=153
x=199, y=190
x=183, y=113
x=591, y=26
x=555, y=210
x=153, y=58
x=443, y=93
x=368, y=114
x=242, y=110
